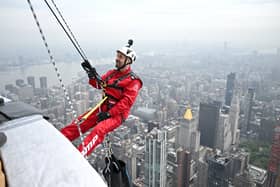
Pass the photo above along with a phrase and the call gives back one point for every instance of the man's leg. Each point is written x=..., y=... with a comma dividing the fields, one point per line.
x=96, y=136
x=71, y=131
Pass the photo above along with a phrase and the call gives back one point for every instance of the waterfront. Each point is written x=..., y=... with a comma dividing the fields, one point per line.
x=69, y=72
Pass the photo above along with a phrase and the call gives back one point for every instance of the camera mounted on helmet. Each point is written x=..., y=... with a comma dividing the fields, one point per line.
x=128, y=52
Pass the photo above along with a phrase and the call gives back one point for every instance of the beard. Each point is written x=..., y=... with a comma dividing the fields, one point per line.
x=116, y=63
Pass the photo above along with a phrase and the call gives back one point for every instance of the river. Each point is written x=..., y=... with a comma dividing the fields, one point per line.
x=69, y=72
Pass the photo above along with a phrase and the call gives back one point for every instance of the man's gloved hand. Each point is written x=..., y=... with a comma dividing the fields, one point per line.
x=91, y=71
x=102, y=116
x=86, y=65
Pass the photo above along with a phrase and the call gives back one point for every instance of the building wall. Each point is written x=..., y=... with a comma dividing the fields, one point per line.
x=155, y=159
x=208, y=123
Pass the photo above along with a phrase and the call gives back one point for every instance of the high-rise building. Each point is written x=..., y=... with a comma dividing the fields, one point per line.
x=234, y=118
x=155, y=158
x=240, y=162
x=31, y=81
x=248, y=110
x=224, y=138
x=219, y=169
x=136, y=157
x=20, y=82
x=229, y=88
x=274, y=162
x=183, y=170
x=208, y=123
x=172, y=165
x=202, y=173
x=43, y=82
x=187, y=133
x=204, y=154
x=152, y=124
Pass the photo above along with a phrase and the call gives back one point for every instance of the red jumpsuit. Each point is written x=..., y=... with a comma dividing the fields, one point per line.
x=122, y=89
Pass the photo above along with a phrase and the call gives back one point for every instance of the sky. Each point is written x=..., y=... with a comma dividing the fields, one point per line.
x=242, y=23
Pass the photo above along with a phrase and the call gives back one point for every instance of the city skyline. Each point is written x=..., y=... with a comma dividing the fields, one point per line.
x=170, y=88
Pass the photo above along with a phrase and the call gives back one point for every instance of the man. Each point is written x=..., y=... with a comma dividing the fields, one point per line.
x=121, y=86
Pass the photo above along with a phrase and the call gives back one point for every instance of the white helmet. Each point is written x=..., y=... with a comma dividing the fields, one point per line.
x=128, y=52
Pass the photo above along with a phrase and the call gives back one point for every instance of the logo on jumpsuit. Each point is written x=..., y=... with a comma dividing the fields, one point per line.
x=90, y=145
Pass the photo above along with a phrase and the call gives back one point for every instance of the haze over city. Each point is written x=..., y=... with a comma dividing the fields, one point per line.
x=105, y=24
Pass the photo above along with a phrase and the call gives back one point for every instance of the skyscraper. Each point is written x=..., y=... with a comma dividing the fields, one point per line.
x=183, y=170
x=223, y=138
x=248, y=110
x=31, y=81
x=274, y=162
x=155, y=158
x=229, y=88
x=233, y=118
x=187, y=134
x=43, y=82
x=208, y=123
x=219, y=171
x=152, y=124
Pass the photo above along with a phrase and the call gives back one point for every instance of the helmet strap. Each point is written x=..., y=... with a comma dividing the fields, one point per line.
x=125, y=63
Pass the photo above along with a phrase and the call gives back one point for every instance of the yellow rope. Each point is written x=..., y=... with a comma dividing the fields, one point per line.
x=93, y=109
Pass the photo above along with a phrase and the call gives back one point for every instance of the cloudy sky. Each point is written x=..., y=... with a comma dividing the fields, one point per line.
x=248, y=23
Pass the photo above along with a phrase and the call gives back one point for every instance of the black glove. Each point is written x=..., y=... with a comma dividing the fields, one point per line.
x=87, y=66
x=102, y=116
x=91, y=71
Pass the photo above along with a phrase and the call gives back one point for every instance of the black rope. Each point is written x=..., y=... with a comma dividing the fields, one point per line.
x=71, y=33
x=75, y=45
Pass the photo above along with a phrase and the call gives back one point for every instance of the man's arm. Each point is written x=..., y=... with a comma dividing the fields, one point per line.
x=93, y=82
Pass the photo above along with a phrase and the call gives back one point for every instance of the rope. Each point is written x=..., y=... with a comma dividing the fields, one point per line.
x=71, y=33
x=74, y=44
x=93, y=109
x=108, y=146
x=56, y=69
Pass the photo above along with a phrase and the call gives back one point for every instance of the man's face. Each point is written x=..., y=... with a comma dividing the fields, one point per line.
x=120, y=60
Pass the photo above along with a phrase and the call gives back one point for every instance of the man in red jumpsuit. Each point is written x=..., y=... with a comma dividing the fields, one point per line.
x=121, y=86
